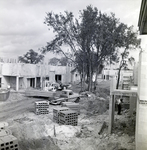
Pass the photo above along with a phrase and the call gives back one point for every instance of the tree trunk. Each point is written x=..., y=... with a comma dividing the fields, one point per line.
x=81, y=82
x=84, y=81
x=118, y=78
x=95, y=82
x=90, y=77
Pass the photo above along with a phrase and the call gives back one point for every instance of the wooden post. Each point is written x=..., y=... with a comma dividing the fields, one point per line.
x=111, y=104
x=111, y=113
x=54, y=131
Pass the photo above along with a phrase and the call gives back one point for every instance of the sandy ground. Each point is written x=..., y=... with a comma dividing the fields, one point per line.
x=37, y=132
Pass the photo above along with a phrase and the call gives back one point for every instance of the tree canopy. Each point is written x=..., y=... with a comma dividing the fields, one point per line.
x=31, y=57
x=95, y=39
x=59, y=61
x=54, y=61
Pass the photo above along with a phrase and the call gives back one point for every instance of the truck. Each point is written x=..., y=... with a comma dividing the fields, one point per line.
x=65, y=96
x=47, y=91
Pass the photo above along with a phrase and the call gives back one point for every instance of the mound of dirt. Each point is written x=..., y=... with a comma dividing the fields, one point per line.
x=93, y=104
x=32, y=132
x=44, y=143
x=16, y=96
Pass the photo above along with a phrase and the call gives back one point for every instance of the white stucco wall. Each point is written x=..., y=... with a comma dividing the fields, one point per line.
x=10, y=71
x=135, y=73
x=75, y=77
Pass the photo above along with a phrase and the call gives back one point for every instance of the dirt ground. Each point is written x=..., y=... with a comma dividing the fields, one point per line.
x=39, y=132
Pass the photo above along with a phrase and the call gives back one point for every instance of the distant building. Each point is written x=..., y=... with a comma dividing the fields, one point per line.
x=22, y=76
x=75, y=76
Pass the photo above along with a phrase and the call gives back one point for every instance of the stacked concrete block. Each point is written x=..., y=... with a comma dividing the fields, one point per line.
x=8, y=142
x=126, y=82
x=68, y=117
x=41, y=107
x=72, y=106
x=56, y=113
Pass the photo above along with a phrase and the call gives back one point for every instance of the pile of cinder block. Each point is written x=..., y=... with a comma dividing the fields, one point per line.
x=72, y=106
x=126, y=82
x=7, y=140
x=41, y=107
x=68, y=117
x=56, y=113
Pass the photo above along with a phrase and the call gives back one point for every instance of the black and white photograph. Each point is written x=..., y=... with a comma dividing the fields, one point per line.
x=73, y=75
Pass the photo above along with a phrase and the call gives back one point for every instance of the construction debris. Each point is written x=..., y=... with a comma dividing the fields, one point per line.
x=39, y=132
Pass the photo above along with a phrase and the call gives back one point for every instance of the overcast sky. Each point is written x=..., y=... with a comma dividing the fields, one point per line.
x=22, y=27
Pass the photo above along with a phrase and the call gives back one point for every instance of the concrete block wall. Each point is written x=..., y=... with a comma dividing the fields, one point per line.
x=24, y=71
x=142, y=80
x=141, y=115
x=132, y=105
x=141, y=126
x=126, y=82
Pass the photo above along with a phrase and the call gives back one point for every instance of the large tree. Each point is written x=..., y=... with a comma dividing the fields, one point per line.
x=129, y=42
x=94, y=38
x=31, y=57
x=66, y=30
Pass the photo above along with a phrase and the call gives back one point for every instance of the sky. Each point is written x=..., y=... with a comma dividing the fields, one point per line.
x=22, y=27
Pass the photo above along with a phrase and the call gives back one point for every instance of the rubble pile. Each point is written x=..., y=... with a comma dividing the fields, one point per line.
x=92, y=105
x=16, y=96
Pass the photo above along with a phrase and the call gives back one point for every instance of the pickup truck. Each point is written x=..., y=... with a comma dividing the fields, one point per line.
x=66, y=95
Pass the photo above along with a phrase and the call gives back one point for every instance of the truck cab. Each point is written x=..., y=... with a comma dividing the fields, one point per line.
x=66, y=95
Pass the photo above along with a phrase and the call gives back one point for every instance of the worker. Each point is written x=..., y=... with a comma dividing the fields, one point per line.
x=119, y=105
